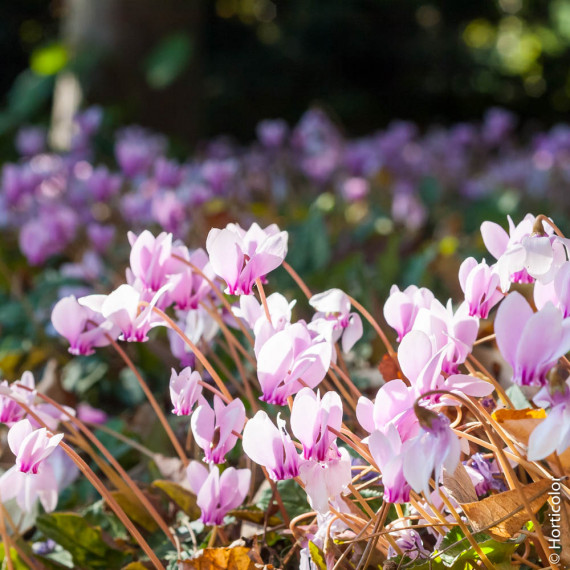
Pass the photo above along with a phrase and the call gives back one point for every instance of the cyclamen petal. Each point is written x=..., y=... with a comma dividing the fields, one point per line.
x=30, y=446
x=241, y=257
x=184, y=391
x=271, y=447
x=531, y=342
x=217, y=495
x=213, y=429
x=311, y=418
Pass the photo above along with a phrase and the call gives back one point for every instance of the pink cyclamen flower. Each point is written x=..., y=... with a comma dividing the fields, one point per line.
x=523, y=255
x=531, y=342
x=311, y=418
x=53, y=475
x=386, y=449
x=452, y=332
x=241, y=257
x=555, y=291
x=189, y=287
x=271, y=446
x=553, y=433
x=31, y=446
x=393, y=405
x=215, y=428
x=326, y=480
x=333, y=311
x=435, y=447
x=185, y=389
x=151, y=261
x=84, y=328
x=10, y=410
x=401, y=307
x=480, y=286
x=217, y=495
x=290, y=359
x=123, y=309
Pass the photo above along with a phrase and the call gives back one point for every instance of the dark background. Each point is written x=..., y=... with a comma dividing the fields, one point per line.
x=197, y=69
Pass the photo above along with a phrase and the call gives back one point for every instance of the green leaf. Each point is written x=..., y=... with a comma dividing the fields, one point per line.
x=293, y=497
x=17, y=562
x=317, y=556
x=168, y=60
x=517, y=397
x=180, y=496
x=455, y=548
x=84, y=542
x=50, y=59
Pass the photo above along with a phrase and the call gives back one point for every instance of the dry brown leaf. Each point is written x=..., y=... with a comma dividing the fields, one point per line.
x=519, y=424
x=389, y=368
x=236, y=558
x=486, y=512
x=459, y=485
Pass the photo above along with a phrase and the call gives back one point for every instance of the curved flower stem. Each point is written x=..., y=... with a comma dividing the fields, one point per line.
x=300, y=283
x=542, y=218
x=359, y=307
x=263, y=298
x=486, y=420
x=152, y=401
x=489, y=378
x=221, y=366
x=123, y=476
x=216, y=291
x=199, y=354
x=104, y=492
x=232, y=344
x=5, y=540
x=345, y=394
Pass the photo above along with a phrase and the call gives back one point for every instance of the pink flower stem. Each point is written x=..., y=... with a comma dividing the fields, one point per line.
x=263, y=298
x=217, y=292
x=375, y=326
x=152, y=400
x=123, y=475
x=199, y=354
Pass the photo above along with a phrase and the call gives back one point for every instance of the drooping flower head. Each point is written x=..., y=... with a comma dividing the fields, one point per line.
x=271, y=446
x=185, y=389
x=217, y=494
x=241, y=257
x=215, y=429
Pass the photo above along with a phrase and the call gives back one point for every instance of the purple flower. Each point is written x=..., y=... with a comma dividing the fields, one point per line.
x=311, y=418
x=480, y=286
x=290, y=359
x=401, y=307
x=185, y=389
x=217, y=494
x=271, y=446
x=241, y=257
x=530, y=342
x=215, y=428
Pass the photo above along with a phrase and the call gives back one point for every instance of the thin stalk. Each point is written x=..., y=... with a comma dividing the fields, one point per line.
x=123, y=480
x=199, y=354
x=152, y=401
x=104, y=492
x=5, y=541
x=263, y=299
x=217, y=292
x=374, y=324
x=300, y=283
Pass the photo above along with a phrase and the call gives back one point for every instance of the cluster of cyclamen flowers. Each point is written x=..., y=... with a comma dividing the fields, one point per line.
x=410, y=439
x=51, y=199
